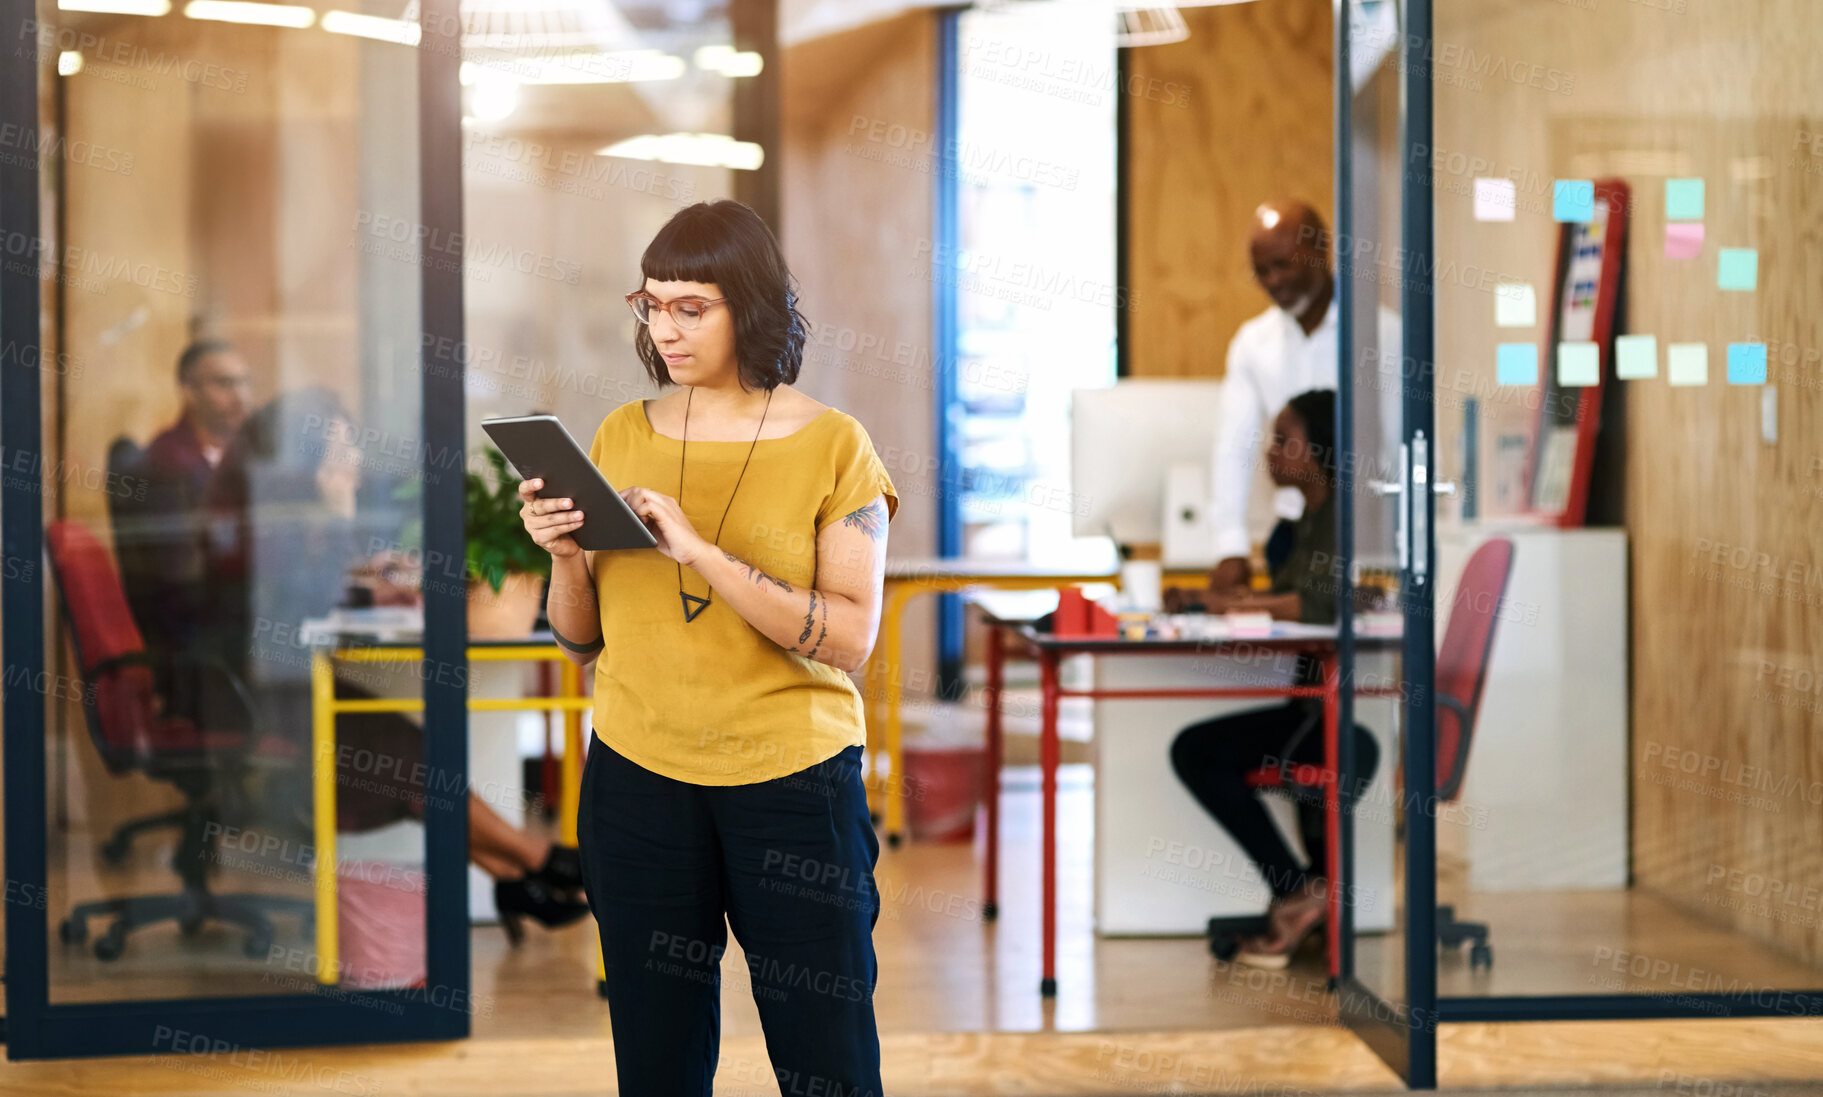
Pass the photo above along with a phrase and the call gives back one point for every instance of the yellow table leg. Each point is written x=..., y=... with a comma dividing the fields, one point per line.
x=873, y=685
x=570, y=795
x=322, y=778
x=893, y=626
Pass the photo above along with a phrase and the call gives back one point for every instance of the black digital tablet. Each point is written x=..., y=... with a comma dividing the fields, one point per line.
x=540, y=449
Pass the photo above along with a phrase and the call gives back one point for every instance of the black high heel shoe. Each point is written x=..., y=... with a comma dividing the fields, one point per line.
x=562, y=869
x=532, y=896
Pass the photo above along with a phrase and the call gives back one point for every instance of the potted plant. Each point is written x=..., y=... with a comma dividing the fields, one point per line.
x=506, y=568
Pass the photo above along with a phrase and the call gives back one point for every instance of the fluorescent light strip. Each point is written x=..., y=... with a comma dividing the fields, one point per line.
x=243, y=11
x=728, y=62
x=118, y=7
x=595, y=67
x=712, y=150
x=376, y=27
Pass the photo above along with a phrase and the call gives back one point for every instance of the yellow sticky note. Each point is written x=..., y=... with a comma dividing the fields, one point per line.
x=1578, y=364
x=1687, y=363
x=1635, y=357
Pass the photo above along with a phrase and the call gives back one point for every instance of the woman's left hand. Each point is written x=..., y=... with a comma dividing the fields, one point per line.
x=677, y=538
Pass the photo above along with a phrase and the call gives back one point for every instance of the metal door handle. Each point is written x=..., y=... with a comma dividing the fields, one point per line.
x=1420, y=508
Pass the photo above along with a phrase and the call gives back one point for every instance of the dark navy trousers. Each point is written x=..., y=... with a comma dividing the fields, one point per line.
x=669, y=867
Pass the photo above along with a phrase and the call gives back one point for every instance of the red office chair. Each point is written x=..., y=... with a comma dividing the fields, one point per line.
x=132, y=735
x=1461, y=673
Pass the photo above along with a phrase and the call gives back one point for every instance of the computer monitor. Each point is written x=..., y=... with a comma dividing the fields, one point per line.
x=1124, y=441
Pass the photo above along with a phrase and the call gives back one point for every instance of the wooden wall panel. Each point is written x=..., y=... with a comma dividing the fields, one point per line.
x=857, y=221
x=1256, y=125
x=1727, y=743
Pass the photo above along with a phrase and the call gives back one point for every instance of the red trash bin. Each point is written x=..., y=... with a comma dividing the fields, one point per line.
x=943, y=788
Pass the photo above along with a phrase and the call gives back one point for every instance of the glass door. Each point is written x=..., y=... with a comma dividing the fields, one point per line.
x=231, y=310
x=1386, y=994
x=1629, y=601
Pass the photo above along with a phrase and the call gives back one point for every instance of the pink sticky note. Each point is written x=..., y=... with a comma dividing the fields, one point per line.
x=1683, y=239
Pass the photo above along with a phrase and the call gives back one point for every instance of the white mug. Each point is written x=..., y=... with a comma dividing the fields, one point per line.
x=1139, y=585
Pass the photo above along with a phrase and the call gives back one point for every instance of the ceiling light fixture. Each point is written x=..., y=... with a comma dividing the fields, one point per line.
x=117, y=7
x=710, y=150
x=243, y=11
x=376, y=27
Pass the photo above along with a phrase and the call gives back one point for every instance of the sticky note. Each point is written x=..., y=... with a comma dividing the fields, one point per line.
x=1495, y=199
x=1747, y=363
x=1578, y=364
x=1516, y=364
x=1515, y=305
x=1683, y=240
x=1635, y=356
x=1573, y=200
x=1683, y=199
x=1687, y=363
x=1737, y=268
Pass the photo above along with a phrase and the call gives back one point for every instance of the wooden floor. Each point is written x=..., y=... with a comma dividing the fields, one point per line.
x=959, y=1011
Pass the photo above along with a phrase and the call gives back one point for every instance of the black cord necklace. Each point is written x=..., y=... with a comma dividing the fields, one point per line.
x=703, y=603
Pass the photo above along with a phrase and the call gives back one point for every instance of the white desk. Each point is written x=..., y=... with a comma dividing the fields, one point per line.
x=1547, y=769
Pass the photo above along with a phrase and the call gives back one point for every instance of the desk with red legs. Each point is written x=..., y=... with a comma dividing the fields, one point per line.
x=1049, y=650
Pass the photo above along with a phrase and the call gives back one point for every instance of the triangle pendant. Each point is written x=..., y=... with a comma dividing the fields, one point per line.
x=689, y=613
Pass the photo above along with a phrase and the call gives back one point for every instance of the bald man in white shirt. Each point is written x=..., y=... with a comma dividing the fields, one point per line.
x=1288, y=349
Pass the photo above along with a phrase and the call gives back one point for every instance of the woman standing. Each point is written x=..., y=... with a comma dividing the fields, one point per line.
x=724, y=778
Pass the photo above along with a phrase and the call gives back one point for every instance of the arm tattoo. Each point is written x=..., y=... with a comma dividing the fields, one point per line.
x=808, y=614
x=870, y=519
x=821, y=634
x=756, y=574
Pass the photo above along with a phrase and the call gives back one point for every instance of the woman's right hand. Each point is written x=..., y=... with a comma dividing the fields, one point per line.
x=549, y=521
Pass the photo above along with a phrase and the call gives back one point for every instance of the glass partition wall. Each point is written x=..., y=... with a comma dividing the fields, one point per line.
x=1622, y=198
x=234, y=270
x=1606, y=340
x=1606, y=203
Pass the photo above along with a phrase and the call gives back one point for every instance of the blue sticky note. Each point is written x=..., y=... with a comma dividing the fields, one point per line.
x=1737, y=268
x=1747, y=363
x=1683, y=199
x=1578, y=364
x=1573, y=200
x=1516, y=364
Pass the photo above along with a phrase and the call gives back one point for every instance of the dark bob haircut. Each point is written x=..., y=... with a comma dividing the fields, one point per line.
x=1317, y=408
x=726, y=243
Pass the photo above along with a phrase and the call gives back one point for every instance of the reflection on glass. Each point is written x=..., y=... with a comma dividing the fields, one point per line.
x=238, y=302
x=1368, y=259
x=1637, y=806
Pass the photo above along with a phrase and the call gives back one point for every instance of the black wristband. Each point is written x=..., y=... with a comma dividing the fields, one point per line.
x=579, y=649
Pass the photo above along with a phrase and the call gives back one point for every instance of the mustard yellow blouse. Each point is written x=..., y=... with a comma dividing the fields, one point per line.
x=714, y=701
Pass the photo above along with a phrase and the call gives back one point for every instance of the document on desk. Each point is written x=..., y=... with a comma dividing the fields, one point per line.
x=1206, y=626
x=384, y=624
x=1297, y=630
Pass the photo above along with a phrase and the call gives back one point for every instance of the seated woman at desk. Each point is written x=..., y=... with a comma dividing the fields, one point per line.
x=281, y=546
x=1213, y=757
